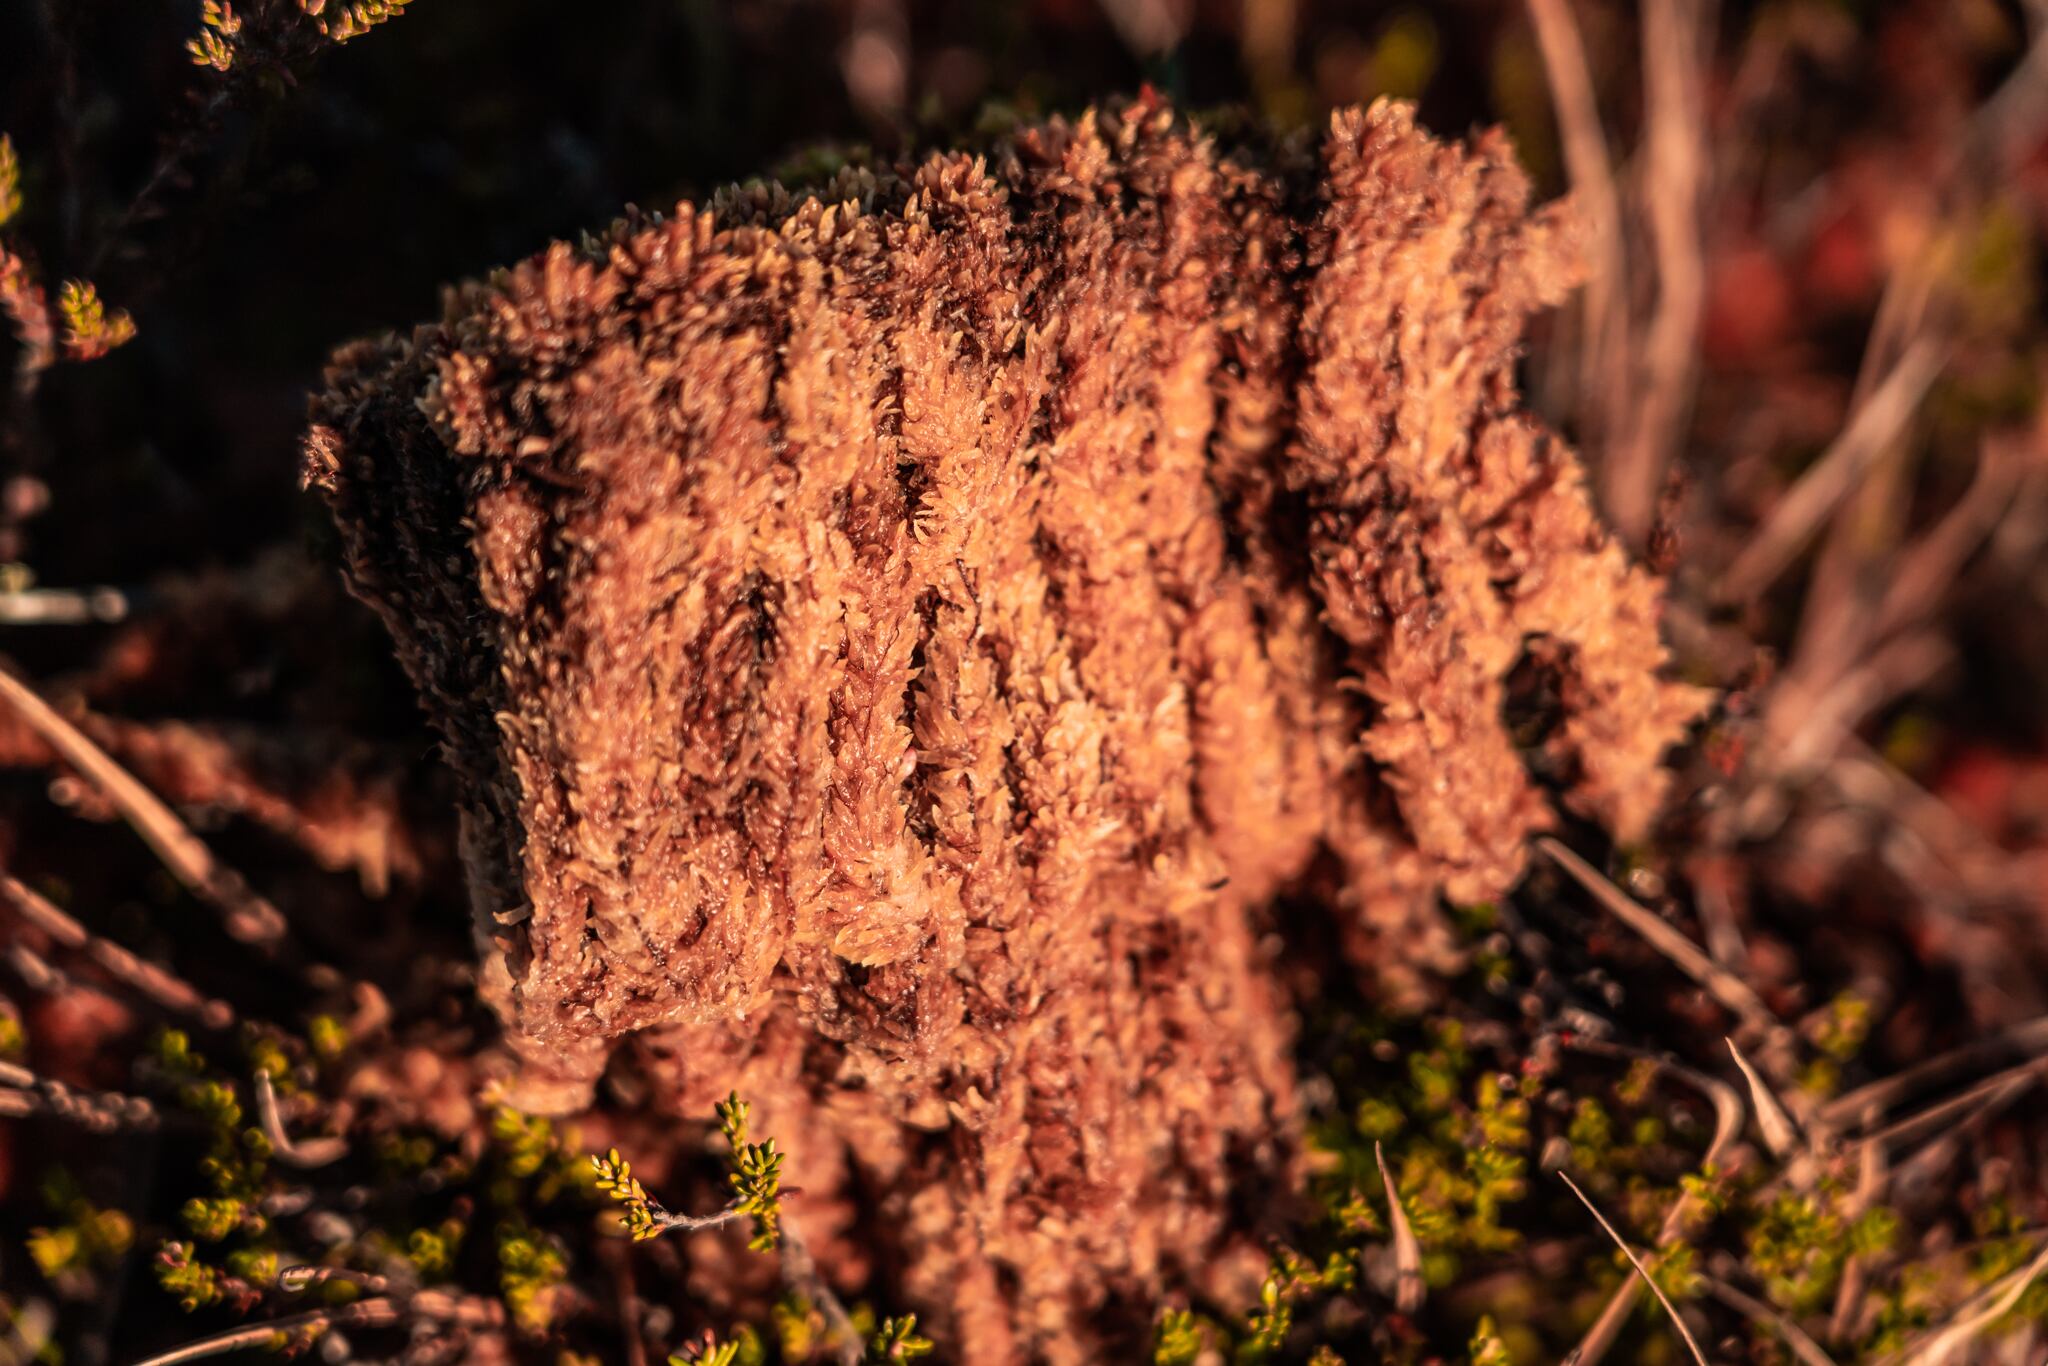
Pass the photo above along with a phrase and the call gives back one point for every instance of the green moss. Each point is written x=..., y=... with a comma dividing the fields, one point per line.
x=531, y=1268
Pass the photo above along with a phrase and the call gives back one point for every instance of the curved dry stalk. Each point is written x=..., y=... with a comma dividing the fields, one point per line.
x=1802, y=1345
x=1409, y=1289
x=305, y=1154
x=1728, y=1118
x=1641, y=1271
x=1725, y=987
x=157, y=984
x=366, y=1313
x=249, y=917
x=1780, y=1135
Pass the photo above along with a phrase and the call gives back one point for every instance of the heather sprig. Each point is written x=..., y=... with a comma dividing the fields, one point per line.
x=897, y=1340
x=755, y=1176
x=90, y=331
x=10, y=180
x=707, y=1352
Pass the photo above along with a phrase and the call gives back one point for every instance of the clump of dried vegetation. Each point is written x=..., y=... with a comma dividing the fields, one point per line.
x=902, y=641
x=1051, y=762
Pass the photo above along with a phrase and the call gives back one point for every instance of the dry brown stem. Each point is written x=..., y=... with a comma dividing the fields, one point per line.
x=247, y=915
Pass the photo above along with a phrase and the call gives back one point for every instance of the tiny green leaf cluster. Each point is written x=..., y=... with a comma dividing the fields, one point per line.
x=90, y=331
x=756, y=1175
x=641, y=1214
x=897, y=1340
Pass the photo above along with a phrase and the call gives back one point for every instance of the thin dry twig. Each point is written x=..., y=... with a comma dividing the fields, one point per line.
x=24, y=1093
x=1730, y=990
x=156, y=984
x=1409, y=1287
x=304, y=1154
x=1673, y=37
x=1927, y=569
x=1803, y=1346
x=1728, y=1118
x=435, y=1305
x=1999, y=1089
x=800, y=1272
x=1641, y=1270
x=1800, y=512
x=1603, y=351
x=249, y=917
x=62, y=606
x=1866, y=1104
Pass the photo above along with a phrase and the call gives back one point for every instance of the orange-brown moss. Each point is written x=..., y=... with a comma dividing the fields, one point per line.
x=897, y=643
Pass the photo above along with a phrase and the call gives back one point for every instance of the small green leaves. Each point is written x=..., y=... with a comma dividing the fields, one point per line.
x=215, y=45
x=755, y=1177
x=709, y=1352
x=1487, y=1348
x=530, y=1270
x=642, y=1216
x=90, y=331
x=10, y=180
x=191, y=1282
x=1180, y=1339
x=756, y=1180
x=897, y=1340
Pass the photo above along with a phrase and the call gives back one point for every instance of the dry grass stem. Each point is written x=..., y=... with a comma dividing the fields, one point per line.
x=1407, y=1250
x=1803, y=1346
x=1730, y=990
x=1604, y=349
x=1982, y=1310
x=1780, y=1134
x=248, y=916
x=1800, y=512
x=154, y=983
x=1641, y=1270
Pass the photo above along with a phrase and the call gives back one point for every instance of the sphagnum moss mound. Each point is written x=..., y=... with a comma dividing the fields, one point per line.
x=897, y=645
